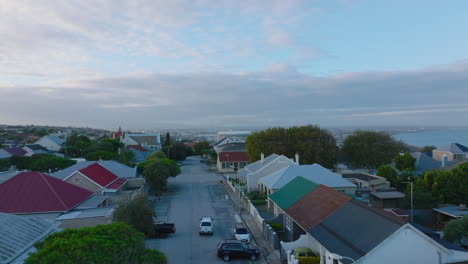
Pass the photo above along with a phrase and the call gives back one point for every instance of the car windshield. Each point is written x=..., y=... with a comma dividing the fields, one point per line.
x=205, y=224
x=241, y=231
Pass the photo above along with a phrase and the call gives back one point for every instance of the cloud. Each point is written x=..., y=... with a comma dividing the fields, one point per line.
x=275, y=96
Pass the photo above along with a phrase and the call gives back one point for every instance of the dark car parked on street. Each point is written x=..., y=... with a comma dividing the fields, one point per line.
x=163, y=229
x=229, y=249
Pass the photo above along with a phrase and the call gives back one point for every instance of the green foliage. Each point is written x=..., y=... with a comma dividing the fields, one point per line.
x=156, y=175
x=40, y=162
x=127, y=158
x=153, y=256
x=179, y=151
x=275, y=226
x=158, y=155
x=116, y=243
x=138, y=213
x=313, y=144
x=428, y=148
x=167, y=141
x=104, y=155
x=421, y=199
x=370, y=149
x=116, y=144
x=388, y=172
x=455, y=230
x=202, y=147
x=75, y=145
x=174, y=169
x=404, y=162
x=5, y=164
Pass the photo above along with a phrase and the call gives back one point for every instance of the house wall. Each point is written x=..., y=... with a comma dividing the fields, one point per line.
x=407, y=246
x=437, y=155
x=84, y=222
x=81, y=181
x=348, y=190
x=48, y=144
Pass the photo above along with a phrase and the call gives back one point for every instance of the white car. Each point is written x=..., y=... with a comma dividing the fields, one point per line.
x=242, y=234
x=206, y=225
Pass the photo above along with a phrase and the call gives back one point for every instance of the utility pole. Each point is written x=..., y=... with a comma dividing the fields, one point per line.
x=411, y=197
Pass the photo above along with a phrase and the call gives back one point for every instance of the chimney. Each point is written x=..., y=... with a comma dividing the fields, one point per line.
x=444, y=161
x=297, y=158
x=262, y=157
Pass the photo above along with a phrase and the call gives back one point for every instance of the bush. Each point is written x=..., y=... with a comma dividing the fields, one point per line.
x=275, y=226
x=153, y=256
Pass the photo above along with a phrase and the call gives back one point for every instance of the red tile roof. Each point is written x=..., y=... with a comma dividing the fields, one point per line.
x=98, y=174
x=137, y=147
x=116, y=184
x=233, y=156
x=317, y=205
x=34, y=192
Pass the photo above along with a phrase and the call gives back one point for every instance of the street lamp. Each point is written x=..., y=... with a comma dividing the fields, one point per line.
x=411, y=201
x=339, y=257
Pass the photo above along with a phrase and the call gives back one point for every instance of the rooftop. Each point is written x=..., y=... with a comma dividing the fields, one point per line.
x=452, y=210
x=388, y=195
x=455, y=148
x=235, y=156
x=292, y=192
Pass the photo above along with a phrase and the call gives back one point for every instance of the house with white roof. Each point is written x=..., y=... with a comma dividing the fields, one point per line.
x=152, y=141
x=51, y=142
x=251, y=173
x=315, y=173
x=453, y=152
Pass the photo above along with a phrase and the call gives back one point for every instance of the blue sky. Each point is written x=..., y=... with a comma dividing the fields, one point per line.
x=156, y=64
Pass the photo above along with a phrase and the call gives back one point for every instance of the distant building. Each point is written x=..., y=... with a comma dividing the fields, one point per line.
x=232, y=161
x=386, y=199
x=449, y=212
x=117, y=135
x=233, y=134
x=152, y=141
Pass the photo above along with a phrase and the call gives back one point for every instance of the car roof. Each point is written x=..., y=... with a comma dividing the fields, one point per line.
x=231, y=241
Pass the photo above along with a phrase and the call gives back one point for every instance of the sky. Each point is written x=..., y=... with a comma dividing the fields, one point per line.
x=229, y=63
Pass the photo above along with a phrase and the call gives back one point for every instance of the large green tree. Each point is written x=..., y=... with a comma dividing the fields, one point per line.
x=428, y=148
x=201, y=147
x=389, y=173
x=116, y=243
x=404, y=162
x=456, y=229
x=370, y=149
x=127, y=158
x=313, y=144
x=156, y=175
x=137, y=212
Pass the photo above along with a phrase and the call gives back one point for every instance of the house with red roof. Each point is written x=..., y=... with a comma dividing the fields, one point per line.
x=97, y=179
x=232, y=161
x=37, y=193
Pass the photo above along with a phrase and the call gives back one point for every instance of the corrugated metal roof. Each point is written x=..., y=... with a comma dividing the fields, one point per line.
x=19, y=233
x=315, y=173
x=292, y=192
x=119, y=169
x=99, y=174
x=354, y=229
x=97, y=212
x=92, y=202
x=455, y=148
x=315, y=206
x=254, y=167
x=235, y=156
x=388, y=195
x=30, y=192
x=56, y=139
x=145, y=139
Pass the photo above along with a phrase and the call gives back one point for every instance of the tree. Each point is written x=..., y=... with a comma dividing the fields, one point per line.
x=104, y=155
x=404, y=162
x=127, y=158
x=138, y=213
x=428, y=148
x=370, y=149
x=50, y=162
x=116, y=243
x=456, y=229
x=116, y=144
x=101, y=146
x=179, y=151
x=388, y=172
x=167, y=140
x=158, y=155
x=174, y=169
x=156, y=175
x=314, y=145
x=201, y=147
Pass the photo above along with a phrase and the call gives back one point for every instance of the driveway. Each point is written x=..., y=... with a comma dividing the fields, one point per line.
x=194, y=193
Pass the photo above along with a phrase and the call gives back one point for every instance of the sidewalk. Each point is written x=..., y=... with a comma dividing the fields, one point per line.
x=269, y=254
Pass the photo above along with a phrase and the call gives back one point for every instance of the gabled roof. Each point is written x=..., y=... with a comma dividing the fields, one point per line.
x=235, y=156
x=36, y=147
x=255, y=166
x=292, y=192
x=424, y=162
x=388, y=195
x=316, y=205
x=99, y=174
x=19, y=233
x=136, y=147
x=315, y=173
x=455, y=148
x=16, y=151
x=119, y=169
x=354, y=229
x=35, y=192
x=451, y=210
x=145, y=139
x=55, y=139
x=140, y=156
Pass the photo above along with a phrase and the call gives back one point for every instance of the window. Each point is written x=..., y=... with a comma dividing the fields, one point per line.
x=205, y=224
x=223, y=165
x=289, y=223
x=76, y=180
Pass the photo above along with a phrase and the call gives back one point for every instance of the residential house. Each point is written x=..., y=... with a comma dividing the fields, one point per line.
x=449, y=212
x=315, y=173
x=117, y=135
x=13, y=151
x=140, y=153
x=53, y=143
x=425, y=162
x=342, y=230
x=233, y=134
x=117, y=168
x=40, y=195
x=453, y=152
x=366, y=181
x=33, y=149
x=256, y=170
x=232, y=161
x=152, y=141
x=18, y=235
x=386, y=199
x=229, y=144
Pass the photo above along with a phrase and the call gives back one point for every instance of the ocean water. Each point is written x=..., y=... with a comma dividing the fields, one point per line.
x=435, y=138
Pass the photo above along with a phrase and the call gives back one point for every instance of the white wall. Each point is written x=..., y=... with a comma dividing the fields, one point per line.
x=407, y=245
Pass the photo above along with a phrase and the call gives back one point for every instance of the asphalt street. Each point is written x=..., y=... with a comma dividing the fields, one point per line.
x=194, y=193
